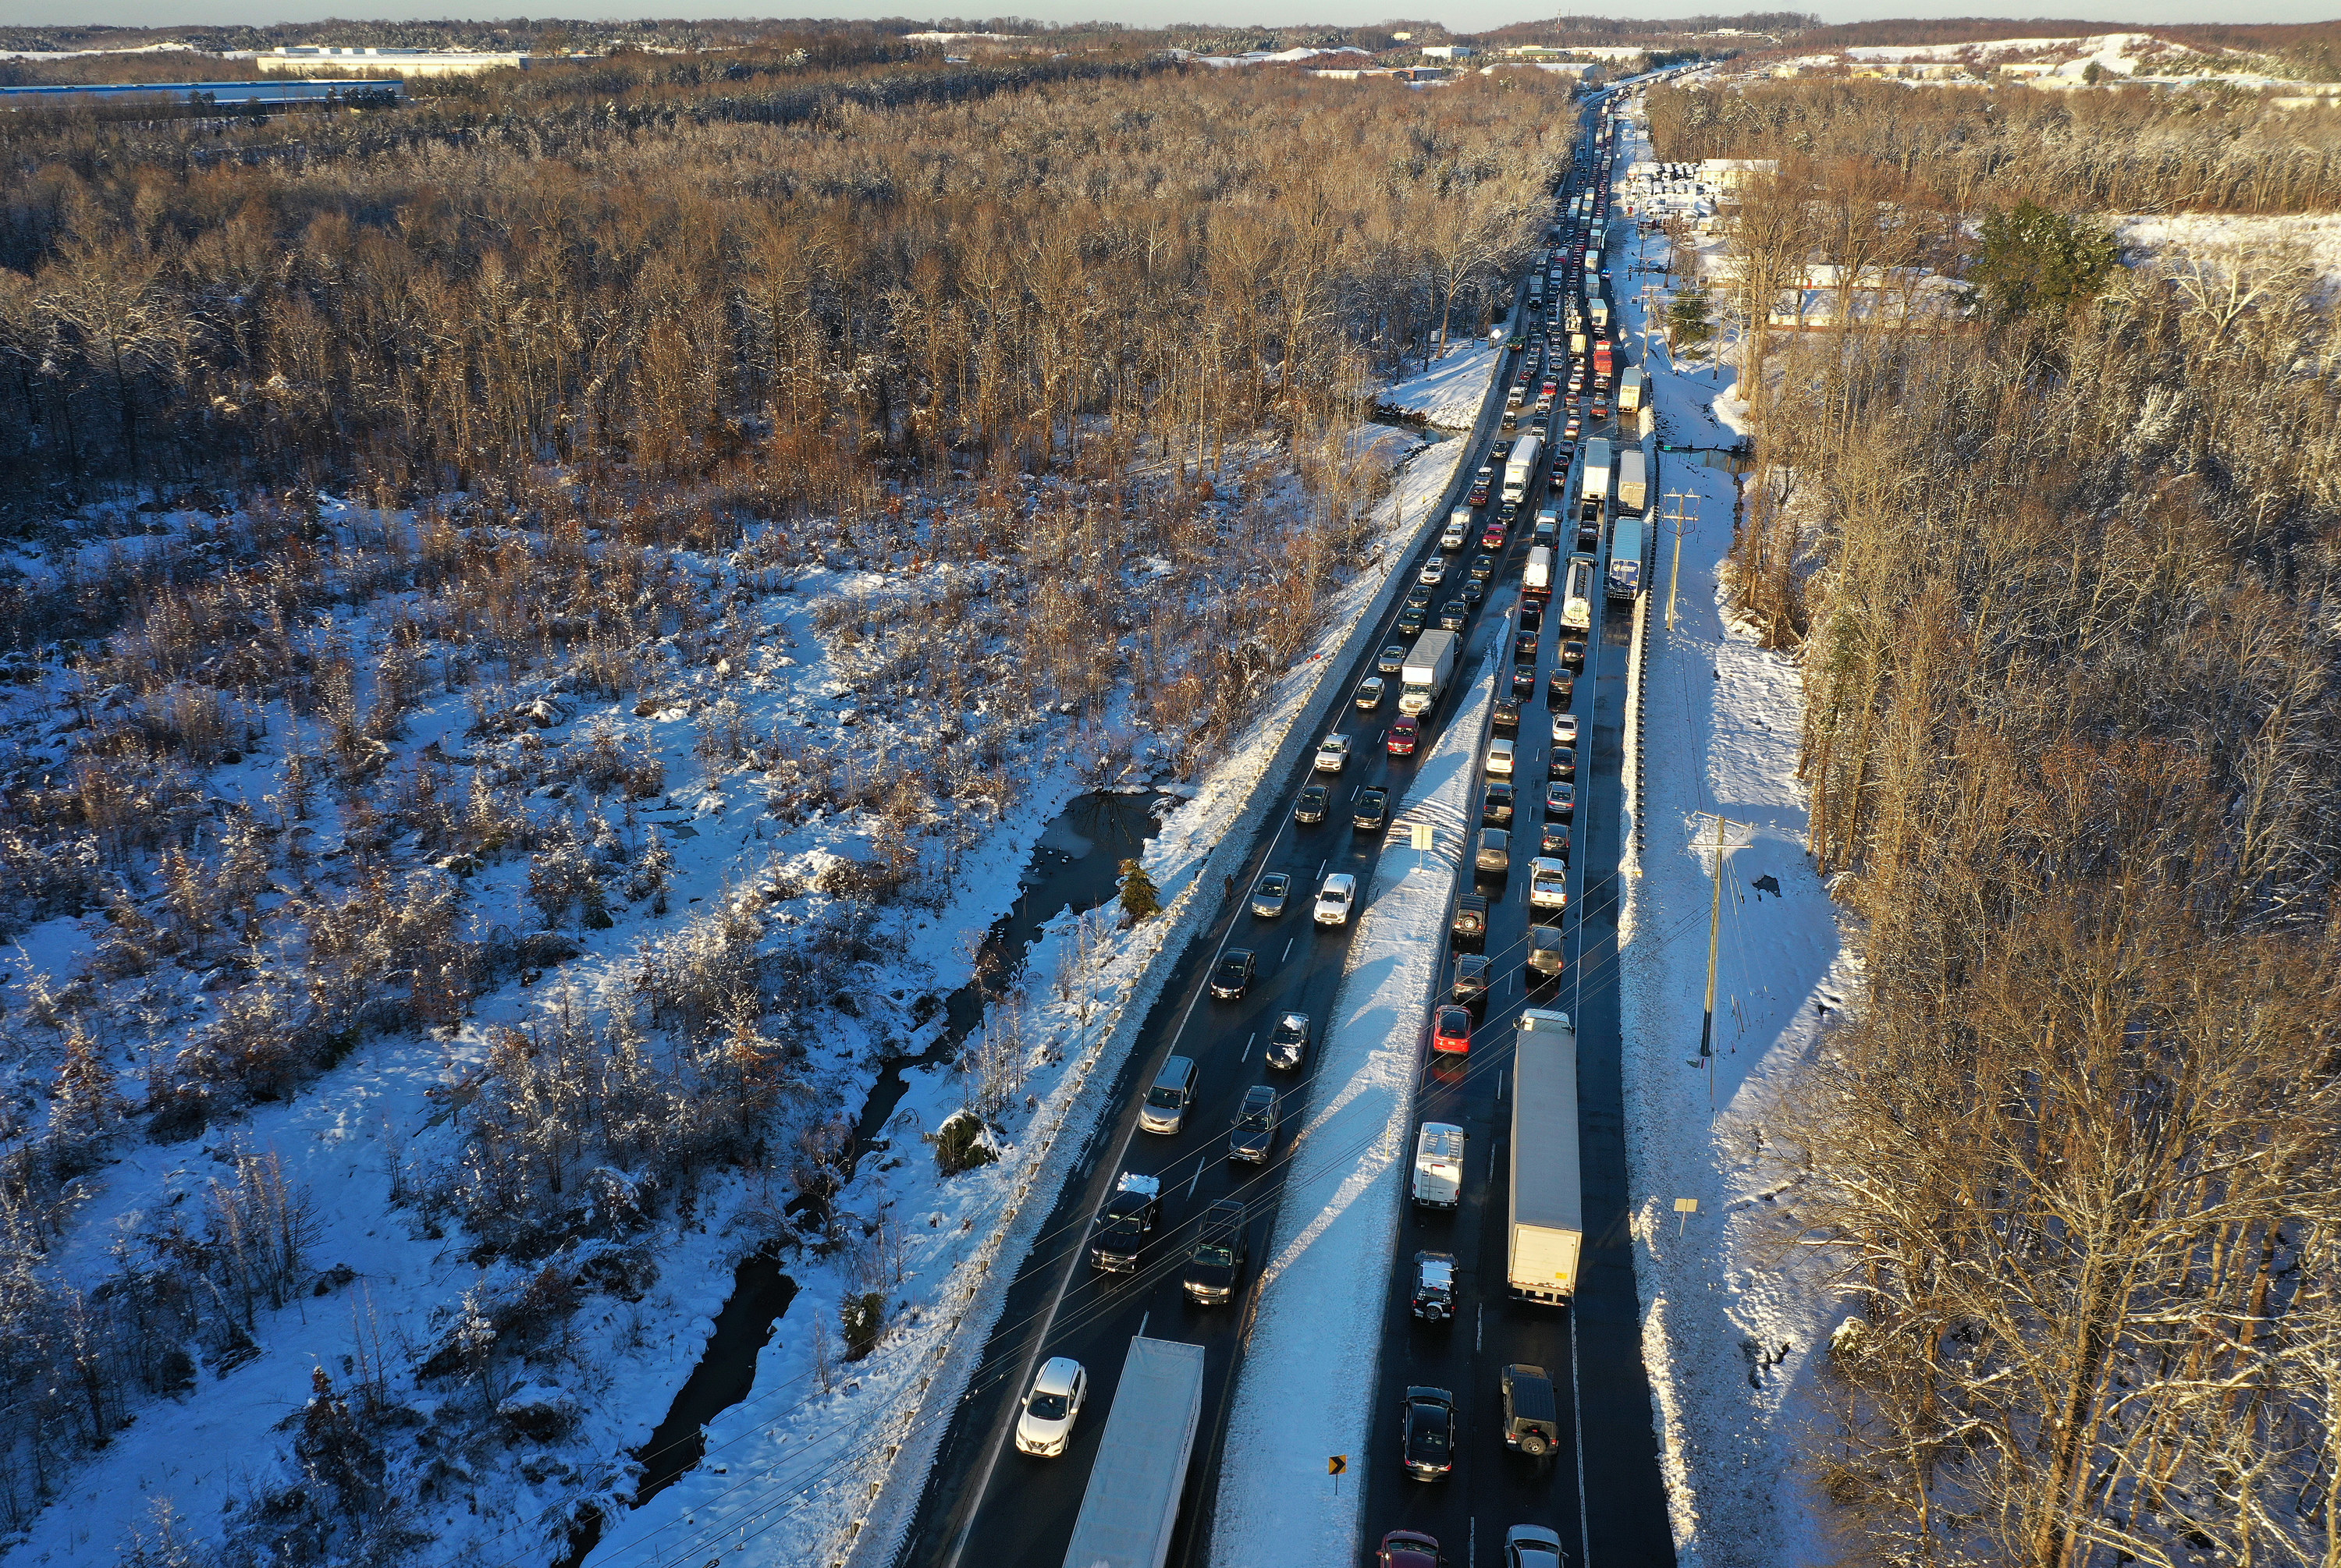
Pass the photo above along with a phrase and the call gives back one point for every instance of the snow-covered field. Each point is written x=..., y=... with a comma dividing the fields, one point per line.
x=1732, y=1327
x=793, y=1467
x=1305, y=1386
x=2223, y=239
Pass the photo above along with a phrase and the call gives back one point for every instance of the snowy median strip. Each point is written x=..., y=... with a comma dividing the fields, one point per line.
x=1306, y=1387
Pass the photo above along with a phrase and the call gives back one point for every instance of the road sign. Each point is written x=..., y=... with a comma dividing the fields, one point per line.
x=1337, y=1465
x=1424, y=840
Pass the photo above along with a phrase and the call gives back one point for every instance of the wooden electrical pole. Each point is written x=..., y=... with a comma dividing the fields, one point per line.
x=1674, y=575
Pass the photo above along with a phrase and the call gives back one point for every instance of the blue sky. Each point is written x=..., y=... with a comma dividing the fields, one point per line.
x=1468, y=16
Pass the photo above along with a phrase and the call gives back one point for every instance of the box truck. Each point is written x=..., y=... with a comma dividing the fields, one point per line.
x=1131, y=1505
x=1426, y=671
x=1547, y=1203
x=1520, y=470
x=1595, y=486
x=1626, y=558
x=1629, y=392
x=1633, y=480
x=1536, y=578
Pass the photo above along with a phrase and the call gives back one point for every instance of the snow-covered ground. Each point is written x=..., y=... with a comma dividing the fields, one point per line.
x=1447, y=394
x=792, y=1467
x=1274, y=57
x=2225, y=238
x=39, y=54
x=1307, y=1384
x=1731, y=1331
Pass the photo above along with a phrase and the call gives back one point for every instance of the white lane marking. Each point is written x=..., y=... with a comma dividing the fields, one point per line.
x=1478, y=1328
x=1141, y=1321
x=1287, y=947
x=1193, y=1179
x=1248, y=1044
x=1577, y=1401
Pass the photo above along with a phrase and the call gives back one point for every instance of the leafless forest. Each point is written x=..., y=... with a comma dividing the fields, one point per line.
x=1064, y=357
x=2064, y=588
x=1963, y=149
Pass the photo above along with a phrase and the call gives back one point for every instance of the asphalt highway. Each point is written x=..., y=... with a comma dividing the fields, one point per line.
x=985, y=1504
x=1601, y=1489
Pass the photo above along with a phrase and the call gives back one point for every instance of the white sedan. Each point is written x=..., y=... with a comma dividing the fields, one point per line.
x=1334, y=899
x=1046, y=1423
x=1433, y=572
x=1564, y=729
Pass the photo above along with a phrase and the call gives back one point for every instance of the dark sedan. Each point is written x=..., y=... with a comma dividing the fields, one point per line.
x=1428, y=1433
x=1231, y=977
x=1496, y=807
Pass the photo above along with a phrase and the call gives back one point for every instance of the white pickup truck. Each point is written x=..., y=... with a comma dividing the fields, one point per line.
x=1438, y=1165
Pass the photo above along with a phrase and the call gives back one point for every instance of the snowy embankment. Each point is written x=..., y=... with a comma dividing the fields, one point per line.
x=1731, y=1330
x=1307, y=1384
x=1202, y=844
x=1450, y=394
x=794, y=1466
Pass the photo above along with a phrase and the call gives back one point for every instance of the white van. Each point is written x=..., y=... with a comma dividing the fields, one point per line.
x=1438, y=1165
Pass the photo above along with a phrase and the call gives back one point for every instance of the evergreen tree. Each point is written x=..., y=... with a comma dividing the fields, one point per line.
x=2036, y=259
x=1686, y=319
x=1140, y=898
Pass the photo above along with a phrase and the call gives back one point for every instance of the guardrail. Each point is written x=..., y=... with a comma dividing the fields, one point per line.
x=1637, y=702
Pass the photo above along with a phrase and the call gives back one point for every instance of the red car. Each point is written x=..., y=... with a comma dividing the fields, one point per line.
x=1404, y=736
x=1493, y=538
x=1450, y=1033
x=1410, y=1549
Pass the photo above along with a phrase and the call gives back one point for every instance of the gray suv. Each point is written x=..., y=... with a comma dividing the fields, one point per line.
x=1531, y=1419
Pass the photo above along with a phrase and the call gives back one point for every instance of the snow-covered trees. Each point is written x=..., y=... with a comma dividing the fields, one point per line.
x=2071, y=708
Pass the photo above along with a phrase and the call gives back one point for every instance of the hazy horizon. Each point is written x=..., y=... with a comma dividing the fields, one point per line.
x=1469, y=18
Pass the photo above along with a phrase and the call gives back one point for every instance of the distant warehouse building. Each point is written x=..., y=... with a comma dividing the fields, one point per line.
x=221, y=94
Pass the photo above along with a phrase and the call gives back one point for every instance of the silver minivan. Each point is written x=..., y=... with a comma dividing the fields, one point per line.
x=1166, y=1103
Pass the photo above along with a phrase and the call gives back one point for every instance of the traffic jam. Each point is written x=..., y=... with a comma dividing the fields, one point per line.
x=1179, y=1198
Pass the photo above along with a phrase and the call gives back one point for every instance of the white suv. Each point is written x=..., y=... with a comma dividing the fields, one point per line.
x=1332, y=754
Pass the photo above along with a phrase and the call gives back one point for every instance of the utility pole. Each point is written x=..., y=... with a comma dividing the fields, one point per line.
x=1714, y=933
x=1681, y=522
